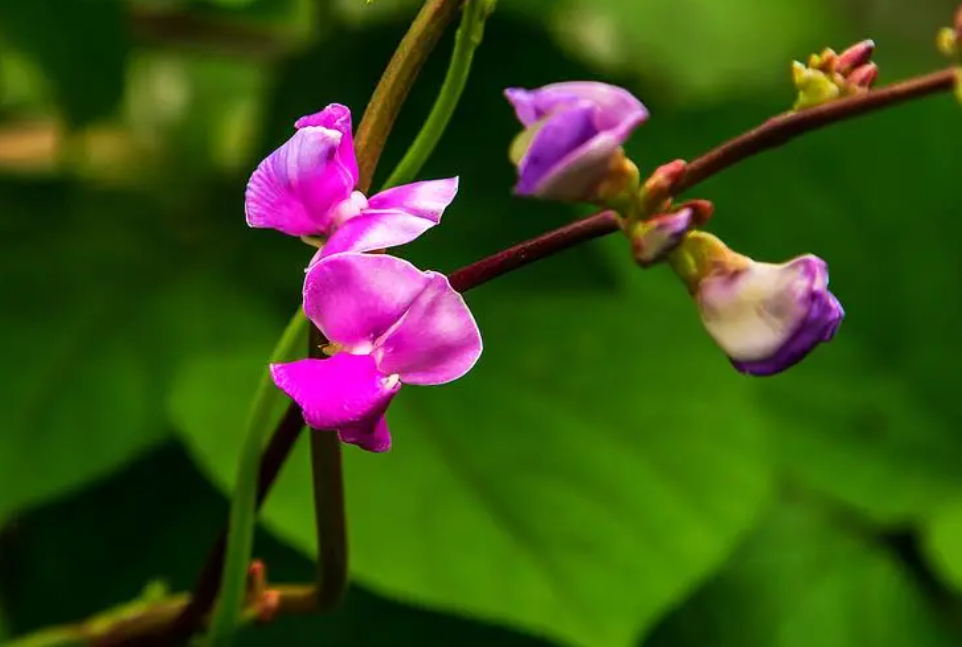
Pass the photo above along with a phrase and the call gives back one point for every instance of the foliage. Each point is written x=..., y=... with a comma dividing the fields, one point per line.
x=603, y=477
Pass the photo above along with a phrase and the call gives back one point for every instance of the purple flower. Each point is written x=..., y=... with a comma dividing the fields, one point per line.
x=389, y=324
x=574, y=132
x=306, y=188
x=768, y=317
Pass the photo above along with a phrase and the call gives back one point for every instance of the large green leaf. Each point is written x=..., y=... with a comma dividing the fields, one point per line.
x=96, y=317
x=800, y=581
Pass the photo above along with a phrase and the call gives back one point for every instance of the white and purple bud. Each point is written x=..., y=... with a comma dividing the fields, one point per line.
x=766, y=317
x=572, y=138
x=654, y=238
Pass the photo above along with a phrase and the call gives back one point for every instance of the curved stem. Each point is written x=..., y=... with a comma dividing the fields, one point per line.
x=227, y=615
x=396, y=82
x=467, y=39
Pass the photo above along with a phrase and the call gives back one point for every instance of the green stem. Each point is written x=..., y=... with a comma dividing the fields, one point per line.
x=228, y=612
x=467, y=39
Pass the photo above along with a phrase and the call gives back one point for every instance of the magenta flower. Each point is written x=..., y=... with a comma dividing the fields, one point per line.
x=306, y=188
x=389, y=324
x=574, y=132
x=768, y=317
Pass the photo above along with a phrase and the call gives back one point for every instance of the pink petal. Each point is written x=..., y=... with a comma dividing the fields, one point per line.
x=295, y=188
x=375, y=230
x=373, y=438
x=437, y=341
x=423, y=199
x=343, y=391
x=336, y=117
x=355, y=298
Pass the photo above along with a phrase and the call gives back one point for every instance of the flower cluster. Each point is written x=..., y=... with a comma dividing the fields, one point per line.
x=828, y=75
x=765, y=317
x=388, y=322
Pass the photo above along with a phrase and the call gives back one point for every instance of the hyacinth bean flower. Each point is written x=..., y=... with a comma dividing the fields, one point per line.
x=307, y=188
x=766, y=317
x=389, y=324
x=572, y=138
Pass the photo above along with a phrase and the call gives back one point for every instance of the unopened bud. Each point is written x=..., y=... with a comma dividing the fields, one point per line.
x=268, y=605
x=863, y=77
x=814, y=87
x=657, y=190
x=947, y=42
x=855, y=56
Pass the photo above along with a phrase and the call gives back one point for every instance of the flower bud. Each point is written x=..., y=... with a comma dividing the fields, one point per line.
x=863, y=77
x=658, y=188
x=573, y=135
x=855, y=56
x=654, y=238
x=765, y=317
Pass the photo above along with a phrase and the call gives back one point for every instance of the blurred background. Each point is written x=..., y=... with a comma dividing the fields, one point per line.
x=603, y=478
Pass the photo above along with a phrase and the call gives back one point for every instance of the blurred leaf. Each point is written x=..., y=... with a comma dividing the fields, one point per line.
x=800, y=581
x=55, y=32
x=943, y=542
x=95, y=320
x=697, y=48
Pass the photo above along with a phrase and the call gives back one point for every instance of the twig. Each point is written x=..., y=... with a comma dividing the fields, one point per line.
x=396, y=82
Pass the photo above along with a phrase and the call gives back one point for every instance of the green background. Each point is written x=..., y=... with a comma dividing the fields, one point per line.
x=603, y=478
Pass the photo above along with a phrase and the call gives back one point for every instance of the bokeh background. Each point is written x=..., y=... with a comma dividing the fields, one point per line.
x=603, y=478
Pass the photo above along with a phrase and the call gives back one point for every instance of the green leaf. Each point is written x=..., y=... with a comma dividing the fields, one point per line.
x=943, y=541
x=800, y=581
x=542, y=488
x=53, y=32
x=700, y=48
x=95, y=320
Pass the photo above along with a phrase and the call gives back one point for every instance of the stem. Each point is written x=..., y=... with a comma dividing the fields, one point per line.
x=535, y=249
x=467, y=39
x=396, y=82
x=227, y=616
x=784, y=128
x=330, y=519
x=278, y=449
x=771, y=134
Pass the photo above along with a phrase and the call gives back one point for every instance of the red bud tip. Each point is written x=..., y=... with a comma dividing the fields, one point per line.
x=855, y=56
x=864, y=76
x=701, y=211
x=957, y=23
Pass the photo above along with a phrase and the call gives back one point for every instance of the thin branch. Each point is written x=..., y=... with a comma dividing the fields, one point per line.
x=773, y=133
x=532, y=250
x=784, y=128
x=396, y=82
x=330, y=516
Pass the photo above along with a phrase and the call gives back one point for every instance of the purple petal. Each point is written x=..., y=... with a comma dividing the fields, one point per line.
x=615, y=105
x=437, y=341
x=295, y=188
x=767, y=318
x=355, y=298
x=560, y=135
x=345, y=391
x=336, y=117
x=373, y=438
x=423, y=199
x=577, y=128
x=374, y=230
